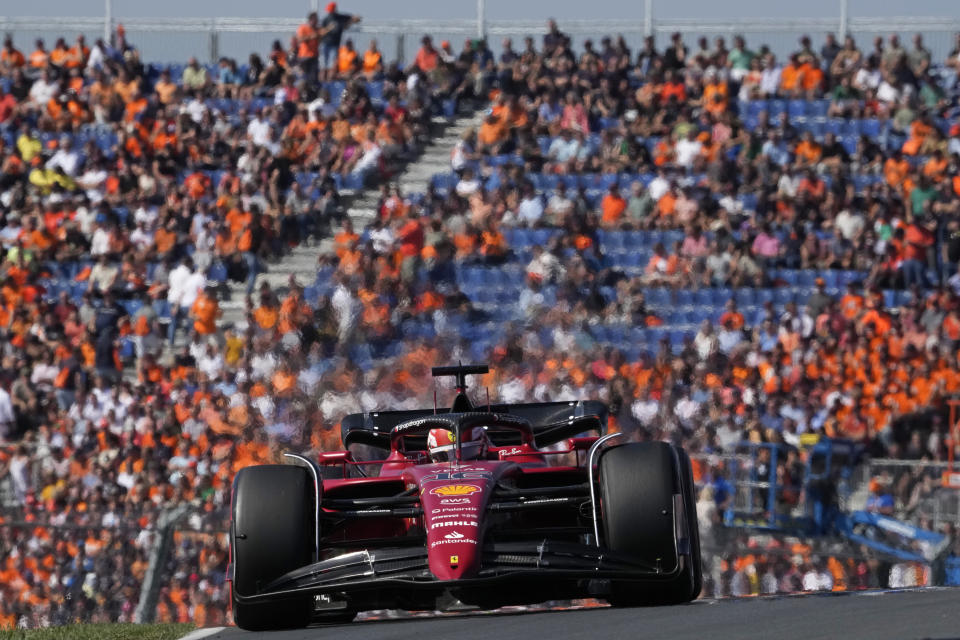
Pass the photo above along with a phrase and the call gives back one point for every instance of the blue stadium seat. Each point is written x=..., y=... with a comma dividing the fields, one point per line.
x=797, y=109
x=703, y=297
x=783, y=295
x=657, y=296
x=745, y=296
x=721, y=296
x=819, y=108
x=869, y=127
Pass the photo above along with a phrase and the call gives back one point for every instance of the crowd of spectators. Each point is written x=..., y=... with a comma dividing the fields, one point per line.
x=124, y=394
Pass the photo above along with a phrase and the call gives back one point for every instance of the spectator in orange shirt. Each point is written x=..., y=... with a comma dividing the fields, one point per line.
x=205, y=312
x=427, y=56
x=919, y=239
x=39, y=58
x=10, y=57
x=372, y=61
x=347, y=59
x=811, y=78
x=308, y=46
x=493, y=135
x=60, y=54
x=612, y=207
x=808, y=151
x=791, y=77
x=895, y=169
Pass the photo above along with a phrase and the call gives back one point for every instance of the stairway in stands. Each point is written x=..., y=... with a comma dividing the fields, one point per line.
x=301, y=262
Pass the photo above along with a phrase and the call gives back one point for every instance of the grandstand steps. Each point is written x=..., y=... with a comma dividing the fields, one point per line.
x=361, y=206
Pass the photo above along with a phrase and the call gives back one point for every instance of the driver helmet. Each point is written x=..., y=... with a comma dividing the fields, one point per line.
x=442, y=444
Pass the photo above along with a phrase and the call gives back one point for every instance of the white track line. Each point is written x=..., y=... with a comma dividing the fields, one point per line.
x=202, y=633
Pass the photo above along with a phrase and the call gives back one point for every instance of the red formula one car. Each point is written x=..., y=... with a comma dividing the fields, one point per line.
x=494, y=505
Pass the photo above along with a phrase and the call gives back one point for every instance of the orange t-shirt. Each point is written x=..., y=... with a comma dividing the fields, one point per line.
x=811, y=77
x=371, y=61
x=612, y=207
x=346, y=59
x=39, y=59
x=309, y=40
x=205, y=311
x=13, y=58
x=790, y=77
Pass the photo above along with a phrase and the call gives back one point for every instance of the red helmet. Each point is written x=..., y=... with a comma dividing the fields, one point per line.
x=442, y=444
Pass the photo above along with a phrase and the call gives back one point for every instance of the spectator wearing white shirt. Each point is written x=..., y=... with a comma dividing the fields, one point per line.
x=659, y=186
x=259, y=129
x=176, y=285
x=7, y=419
x=705, y=342
x=66, y=158
x=100, y=242
x=770, y=77
x=688, y=149
x=530, y=209
x=44, y=89
x=141, y=238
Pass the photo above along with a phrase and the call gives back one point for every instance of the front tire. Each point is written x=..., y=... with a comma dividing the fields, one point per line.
x=638, y=482
x=271, y=533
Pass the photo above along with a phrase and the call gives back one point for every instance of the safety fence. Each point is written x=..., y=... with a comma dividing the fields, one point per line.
x=175, y=39
x=914, y=488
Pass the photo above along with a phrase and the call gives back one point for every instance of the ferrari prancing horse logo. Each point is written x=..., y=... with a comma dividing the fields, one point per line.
x=455, y=490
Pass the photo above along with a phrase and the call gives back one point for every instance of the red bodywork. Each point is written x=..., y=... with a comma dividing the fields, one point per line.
x=453, y=496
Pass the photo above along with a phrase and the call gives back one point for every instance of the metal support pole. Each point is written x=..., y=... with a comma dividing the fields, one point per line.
x=400, y=46
x=107, y=20
x=214, y=42
x=481, y=18
x=648, y=17
x=844, y=18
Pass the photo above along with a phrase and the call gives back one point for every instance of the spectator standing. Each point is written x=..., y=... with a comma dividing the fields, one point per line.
x=308, y=46
x=331, y=32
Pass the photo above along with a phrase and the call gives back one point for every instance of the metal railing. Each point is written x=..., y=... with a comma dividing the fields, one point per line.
x=914, y=497
x=175, y=39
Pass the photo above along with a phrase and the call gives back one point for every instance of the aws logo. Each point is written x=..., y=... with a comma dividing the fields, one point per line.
x=455, y=490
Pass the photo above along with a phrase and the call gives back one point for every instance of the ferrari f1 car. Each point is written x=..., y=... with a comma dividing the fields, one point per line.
x=493, y=505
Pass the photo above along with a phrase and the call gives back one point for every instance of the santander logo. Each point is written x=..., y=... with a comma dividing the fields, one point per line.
x=454, y=535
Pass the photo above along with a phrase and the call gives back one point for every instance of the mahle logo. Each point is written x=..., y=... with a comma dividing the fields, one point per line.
x=455, y=490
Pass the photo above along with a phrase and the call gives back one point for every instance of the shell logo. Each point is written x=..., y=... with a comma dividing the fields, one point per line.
x=455, y=490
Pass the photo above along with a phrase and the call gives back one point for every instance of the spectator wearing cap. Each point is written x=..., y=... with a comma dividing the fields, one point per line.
x=331, y=33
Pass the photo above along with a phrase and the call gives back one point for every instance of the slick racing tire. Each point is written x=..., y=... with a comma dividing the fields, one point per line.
x=271, y=534
x=638, y=482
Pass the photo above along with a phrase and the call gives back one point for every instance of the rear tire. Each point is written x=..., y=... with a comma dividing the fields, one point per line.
x=638, y=482
x=271, y=534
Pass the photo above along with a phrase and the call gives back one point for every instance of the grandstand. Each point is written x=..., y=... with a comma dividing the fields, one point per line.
x=717, y=245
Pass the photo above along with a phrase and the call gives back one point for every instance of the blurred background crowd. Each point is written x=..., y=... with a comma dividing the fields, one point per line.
x=719, y=245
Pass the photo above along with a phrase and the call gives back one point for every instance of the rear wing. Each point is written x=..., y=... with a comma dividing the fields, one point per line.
x=552, y=422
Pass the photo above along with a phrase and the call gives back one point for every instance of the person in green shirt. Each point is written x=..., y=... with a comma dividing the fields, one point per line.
x=640, y=205
x=194, y=75
x=739, y=59
x=921, y=194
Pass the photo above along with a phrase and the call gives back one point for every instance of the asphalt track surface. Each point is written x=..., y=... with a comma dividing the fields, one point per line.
x=927, y=613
